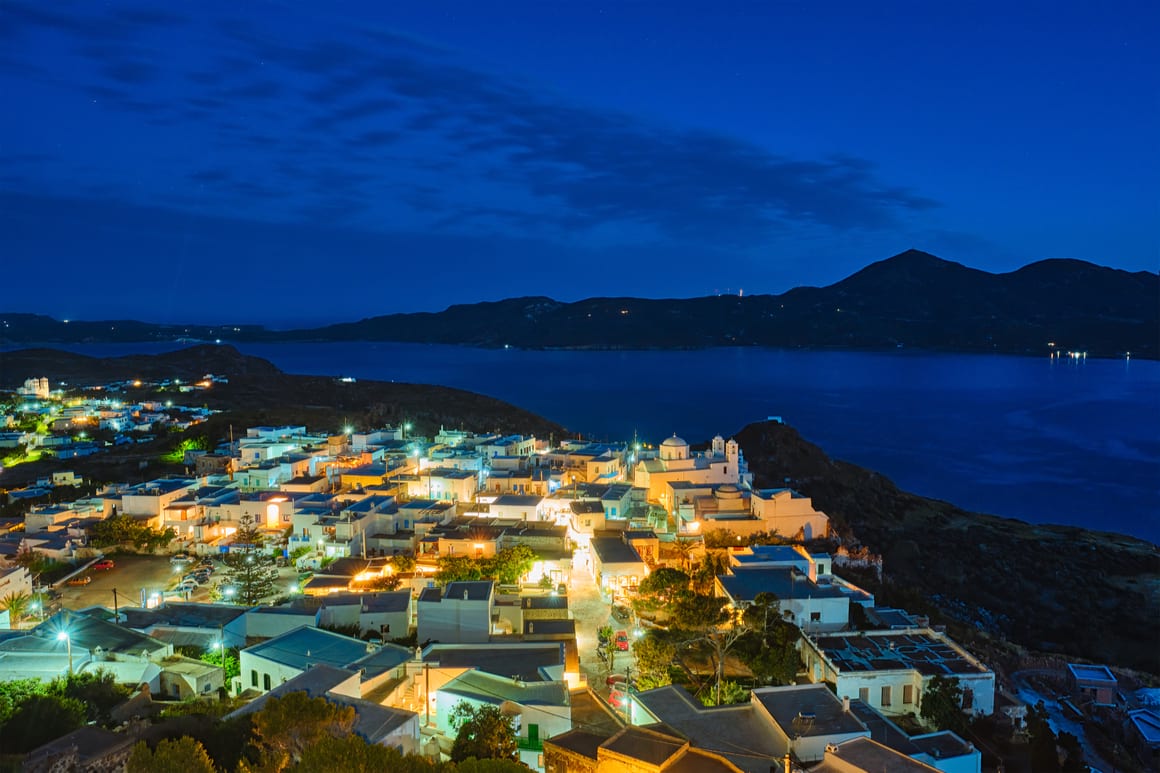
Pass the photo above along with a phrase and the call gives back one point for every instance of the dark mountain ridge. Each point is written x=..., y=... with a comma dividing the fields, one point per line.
x=912, y=300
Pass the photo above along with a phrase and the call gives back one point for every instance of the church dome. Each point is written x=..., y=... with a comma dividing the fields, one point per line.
x=674, y=442
x=728, y=491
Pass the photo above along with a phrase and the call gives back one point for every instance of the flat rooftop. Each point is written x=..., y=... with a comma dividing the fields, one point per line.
x=921, y=651
x=523, y=661
x=784, y=582
x=612, y=550
x=1087, y=673
x=807, y=710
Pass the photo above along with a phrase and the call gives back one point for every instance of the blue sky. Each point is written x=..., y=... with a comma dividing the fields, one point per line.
x=295, y=163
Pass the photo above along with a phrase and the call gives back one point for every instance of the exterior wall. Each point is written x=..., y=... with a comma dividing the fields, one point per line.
x=391, y=624
x=614, y=576
x=560, y=760
x=15, y=580
x=833, y=614
x=787, y=514
x=255, y=669
x=405, y=738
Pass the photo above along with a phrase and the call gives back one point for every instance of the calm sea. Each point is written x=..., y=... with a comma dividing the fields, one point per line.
x=1047, y=441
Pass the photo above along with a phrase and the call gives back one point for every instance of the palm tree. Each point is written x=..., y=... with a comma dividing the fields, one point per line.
x=684, y=550
x=17, y=605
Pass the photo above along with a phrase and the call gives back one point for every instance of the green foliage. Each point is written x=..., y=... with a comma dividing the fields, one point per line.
x=942, y=703
x=124, y=530
x=17, y=604
x=287, y=726
x=654, y=653
x=97, y=691
x=14, y=693
x=484, y=733
x=40, y=719
x=248, y=533
x=458, y=569
x=253, y=573
x=299, y=552
x=505, y=567
x=699, y=612
x=226, y=658
x=351, y=754
x=659, y=589
x=36, y=563
x=1041, y=749
x=403, y=562
x=730, y=692
x=180, y=755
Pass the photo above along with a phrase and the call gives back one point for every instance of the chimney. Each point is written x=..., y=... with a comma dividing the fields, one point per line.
x=846, y=704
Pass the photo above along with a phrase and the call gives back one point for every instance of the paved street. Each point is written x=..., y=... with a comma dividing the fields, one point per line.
x=591, y=612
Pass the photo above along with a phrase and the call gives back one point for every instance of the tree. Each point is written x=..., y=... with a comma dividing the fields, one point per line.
x=248, y=533
x=942, y=704
x=705, y=572
x=226, y=658
x=97, y=691
x=351, y=754
x=654, y=657
x=180, y=755
x=38, y=720
x=659, y=589
x=684, y=549
x=728, y=692
x=457, y=569
x=510, y=564
x=253, y=573
x=1041, y=740
x=17, y=604
x=402, y=563
x=484, y=733
x=287, y=726
x=125, y=530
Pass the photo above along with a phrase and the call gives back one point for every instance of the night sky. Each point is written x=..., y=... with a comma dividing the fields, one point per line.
x=297, y=163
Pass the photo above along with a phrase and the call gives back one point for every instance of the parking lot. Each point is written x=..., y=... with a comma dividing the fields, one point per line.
x=134, y=578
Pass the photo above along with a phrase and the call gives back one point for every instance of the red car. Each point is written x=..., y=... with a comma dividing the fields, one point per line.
x=622, y=640
x=104, y=563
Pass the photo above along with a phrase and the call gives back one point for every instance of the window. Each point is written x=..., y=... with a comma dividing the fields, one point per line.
x=815, y=617
x=864, y=694
x=908, y=693
x=968, y=698
x=266, y=681
x=253, y=678
x=886, y=695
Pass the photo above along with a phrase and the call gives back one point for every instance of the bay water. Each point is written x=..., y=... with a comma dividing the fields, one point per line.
x=1044, y=440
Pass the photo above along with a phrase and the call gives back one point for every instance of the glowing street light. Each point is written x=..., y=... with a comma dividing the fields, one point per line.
x=63, y=636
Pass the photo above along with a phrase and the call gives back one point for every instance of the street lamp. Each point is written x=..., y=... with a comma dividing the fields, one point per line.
x=63, y=636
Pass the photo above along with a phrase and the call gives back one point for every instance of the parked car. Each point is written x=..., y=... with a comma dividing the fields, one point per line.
x=621, y=613
x=622, y=640
x=187, y=585
x=616, y=680
x=104, y=564
x=181, y=558
x=85, y=580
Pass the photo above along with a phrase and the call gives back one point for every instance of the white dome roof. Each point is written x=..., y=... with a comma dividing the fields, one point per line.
x=674, y=441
